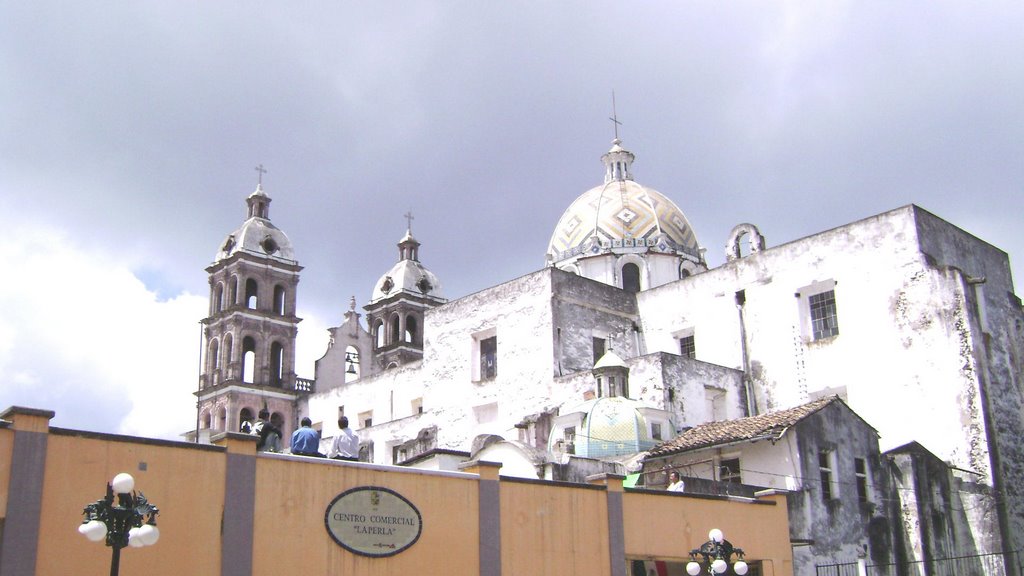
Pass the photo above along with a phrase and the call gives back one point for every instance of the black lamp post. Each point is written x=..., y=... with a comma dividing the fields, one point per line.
x=716, y=553
x=121, y=523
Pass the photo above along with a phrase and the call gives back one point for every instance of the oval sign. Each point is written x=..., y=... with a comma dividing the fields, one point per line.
x=373, y=521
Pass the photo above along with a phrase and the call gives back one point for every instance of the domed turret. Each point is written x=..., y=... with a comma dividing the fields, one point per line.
x=625, y=234
x=396, y=308
x=408, y=274
x=257, y=235
x=612, y=426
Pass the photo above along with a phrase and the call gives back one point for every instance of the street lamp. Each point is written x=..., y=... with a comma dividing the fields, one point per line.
x=122, y=523
x=716, y=553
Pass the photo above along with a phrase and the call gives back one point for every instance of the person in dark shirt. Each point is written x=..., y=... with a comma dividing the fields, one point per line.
x=269, y=435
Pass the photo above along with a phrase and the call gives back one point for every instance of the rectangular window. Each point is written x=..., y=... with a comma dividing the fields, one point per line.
x=600, y=347
x=823, y=315
x=569, y=434
x=489, y=358
x=860, y=472
x=687, y=347
x=826, y=468
x=729, y=470
x=656, y=431
x=366, y=419
x=485, y=355
x=417, y=406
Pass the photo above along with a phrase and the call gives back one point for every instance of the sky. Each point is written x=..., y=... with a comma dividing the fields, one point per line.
x=130, y=133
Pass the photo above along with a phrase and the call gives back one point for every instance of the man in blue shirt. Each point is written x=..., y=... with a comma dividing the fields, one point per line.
x=305, y=440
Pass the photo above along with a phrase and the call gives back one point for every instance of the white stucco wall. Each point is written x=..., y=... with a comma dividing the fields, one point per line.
x=897, y=358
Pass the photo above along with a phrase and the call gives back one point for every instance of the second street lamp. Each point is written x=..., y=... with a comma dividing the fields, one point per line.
x=716, y=553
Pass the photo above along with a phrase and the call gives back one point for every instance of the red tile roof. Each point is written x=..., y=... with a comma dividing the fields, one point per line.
x=764, y=426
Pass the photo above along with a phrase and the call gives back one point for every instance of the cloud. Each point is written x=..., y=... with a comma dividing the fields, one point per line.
x=80, y=334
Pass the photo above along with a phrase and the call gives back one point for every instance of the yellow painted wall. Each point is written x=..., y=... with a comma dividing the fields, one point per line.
x=546, y=528
x=553, y=530
x=186, y=484
x=291, y=538
x=668, y=526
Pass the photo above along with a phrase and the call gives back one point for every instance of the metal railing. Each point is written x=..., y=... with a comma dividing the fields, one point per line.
x=994, y=564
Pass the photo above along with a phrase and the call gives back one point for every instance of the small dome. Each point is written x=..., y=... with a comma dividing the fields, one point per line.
x=621, y=215
x=610, y=360
x=257, y=235
x=611, y=426
x=408, y=275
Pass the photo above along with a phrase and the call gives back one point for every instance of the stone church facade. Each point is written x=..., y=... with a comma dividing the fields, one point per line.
x=912, y=321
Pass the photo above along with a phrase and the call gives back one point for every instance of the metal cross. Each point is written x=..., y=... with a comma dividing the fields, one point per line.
x=262, y=171
x=409, y=218
x=615, y=117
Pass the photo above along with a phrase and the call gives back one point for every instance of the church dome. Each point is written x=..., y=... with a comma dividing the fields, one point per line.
x=621, y=216
x=257, y=235
x=611, y=426
x=408, y=275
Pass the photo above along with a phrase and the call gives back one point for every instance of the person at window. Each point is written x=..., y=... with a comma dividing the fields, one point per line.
x=675, y=483
x=269, y=435
x=346, y=443
x=305, y=440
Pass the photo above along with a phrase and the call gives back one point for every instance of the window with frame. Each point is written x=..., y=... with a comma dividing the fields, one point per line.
x=729, y=470
x=826, y=473
x=822, y=308
x=688, y=347
x=656, y=431
x=485, y=352
x=600, y=347
x=366, y=419
x=860, y=473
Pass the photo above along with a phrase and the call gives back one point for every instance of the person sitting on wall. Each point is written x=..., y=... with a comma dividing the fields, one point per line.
x=346, y=443
x=269, y=435
x=305, y=440
x=675, y=483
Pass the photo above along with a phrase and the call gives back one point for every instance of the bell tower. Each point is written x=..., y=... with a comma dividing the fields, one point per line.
x=396, y=309
x=250, y=333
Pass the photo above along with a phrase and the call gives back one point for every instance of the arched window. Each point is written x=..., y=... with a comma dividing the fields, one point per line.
x=205, y=421
x=222, y=419
x=233, y=291
x=251, y=300
x=279, y=300
x=218, y=297
x=352, y=363
x=245, y=415
x=394, y=334
x=213, y=357
x=276, y=364
x=379, y=333
x=631, y=277
x=411, y=334
x=248, y=360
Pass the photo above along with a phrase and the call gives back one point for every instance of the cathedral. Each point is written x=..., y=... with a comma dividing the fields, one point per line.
x=625, y=340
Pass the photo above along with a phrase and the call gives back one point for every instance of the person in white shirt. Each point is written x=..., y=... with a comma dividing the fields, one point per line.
x=675, y=483
x=346, y=443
